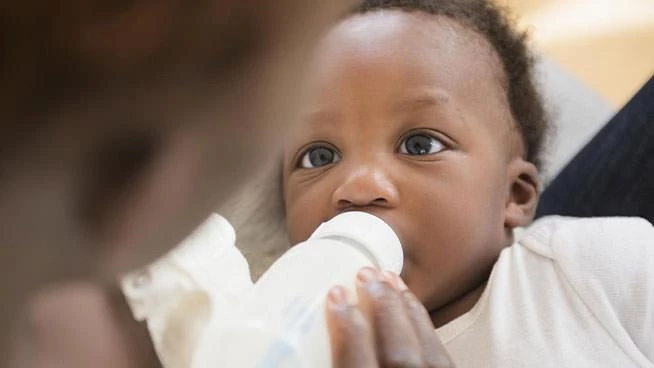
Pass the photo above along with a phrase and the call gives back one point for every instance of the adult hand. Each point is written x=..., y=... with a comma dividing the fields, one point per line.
x=388, y=327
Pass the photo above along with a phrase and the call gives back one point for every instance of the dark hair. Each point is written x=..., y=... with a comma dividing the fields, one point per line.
x=491, y=22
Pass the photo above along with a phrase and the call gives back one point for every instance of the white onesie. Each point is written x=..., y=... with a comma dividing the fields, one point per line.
x=570, y=293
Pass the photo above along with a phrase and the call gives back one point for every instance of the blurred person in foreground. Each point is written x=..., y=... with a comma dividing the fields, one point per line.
x=124, y=124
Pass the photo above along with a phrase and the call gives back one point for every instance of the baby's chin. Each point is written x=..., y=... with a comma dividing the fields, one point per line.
x=433, y=307
x=428, y=298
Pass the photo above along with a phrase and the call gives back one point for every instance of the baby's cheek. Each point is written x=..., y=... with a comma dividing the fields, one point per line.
x=298, y=227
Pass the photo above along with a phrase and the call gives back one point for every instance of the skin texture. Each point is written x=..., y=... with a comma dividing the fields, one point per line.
x=384, y=77
x=125, y=123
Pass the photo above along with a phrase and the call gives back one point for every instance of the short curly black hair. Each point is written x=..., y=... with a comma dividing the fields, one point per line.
x=491, y=22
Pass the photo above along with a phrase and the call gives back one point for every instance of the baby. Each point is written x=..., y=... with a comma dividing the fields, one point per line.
x=425, y=114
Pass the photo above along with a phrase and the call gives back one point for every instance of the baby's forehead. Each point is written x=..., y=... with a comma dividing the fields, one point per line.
x=398, y=50
x=383, y=60
x=385, y=33
x=416, y=45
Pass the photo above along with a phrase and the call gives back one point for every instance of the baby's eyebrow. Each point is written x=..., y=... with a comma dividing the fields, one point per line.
x=322, y=116
x=422, y=100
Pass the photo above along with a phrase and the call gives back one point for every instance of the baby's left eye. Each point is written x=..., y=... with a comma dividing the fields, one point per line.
x=420, y=145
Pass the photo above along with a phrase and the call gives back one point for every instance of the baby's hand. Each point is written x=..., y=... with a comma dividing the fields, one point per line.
x=388, y=328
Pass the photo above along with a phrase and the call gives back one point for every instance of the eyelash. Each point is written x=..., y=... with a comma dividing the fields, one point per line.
x=299, y=162
x=313, y=146
x=443, y=141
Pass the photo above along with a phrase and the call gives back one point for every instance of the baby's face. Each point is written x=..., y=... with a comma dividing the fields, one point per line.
x=407, y=119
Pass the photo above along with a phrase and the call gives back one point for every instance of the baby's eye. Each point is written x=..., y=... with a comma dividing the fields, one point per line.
x=319, y=156
x=420, y=145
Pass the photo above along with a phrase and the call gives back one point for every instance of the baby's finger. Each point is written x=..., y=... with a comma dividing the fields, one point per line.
x=396, y=339
x=351, y=337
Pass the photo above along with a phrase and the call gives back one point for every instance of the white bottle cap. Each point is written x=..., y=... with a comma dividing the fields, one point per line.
x=371, y=233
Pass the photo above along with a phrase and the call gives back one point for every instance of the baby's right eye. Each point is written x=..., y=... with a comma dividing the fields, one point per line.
x=319, y=156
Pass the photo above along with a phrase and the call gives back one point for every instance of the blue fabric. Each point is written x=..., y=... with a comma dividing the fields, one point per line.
x=613, y=175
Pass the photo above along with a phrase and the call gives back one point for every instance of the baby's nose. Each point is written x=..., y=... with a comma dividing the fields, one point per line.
x=364, y=187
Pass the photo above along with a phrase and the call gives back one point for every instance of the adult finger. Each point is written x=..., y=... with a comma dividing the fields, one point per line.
x=433, y=351
x=396, y=341
x=351, y=337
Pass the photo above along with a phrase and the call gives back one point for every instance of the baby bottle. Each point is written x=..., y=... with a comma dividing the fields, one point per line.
x=282, y=323
x=183, y=296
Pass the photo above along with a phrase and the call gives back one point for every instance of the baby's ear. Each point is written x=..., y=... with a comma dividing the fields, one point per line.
x=522, y=199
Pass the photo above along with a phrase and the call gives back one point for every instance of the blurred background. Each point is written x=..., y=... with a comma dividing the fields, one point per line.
x=595, y=55
x=606, y=44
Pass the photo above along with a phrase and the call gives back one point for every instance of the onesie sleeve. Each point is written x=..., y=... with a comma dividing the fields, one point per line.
x=609, y=262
